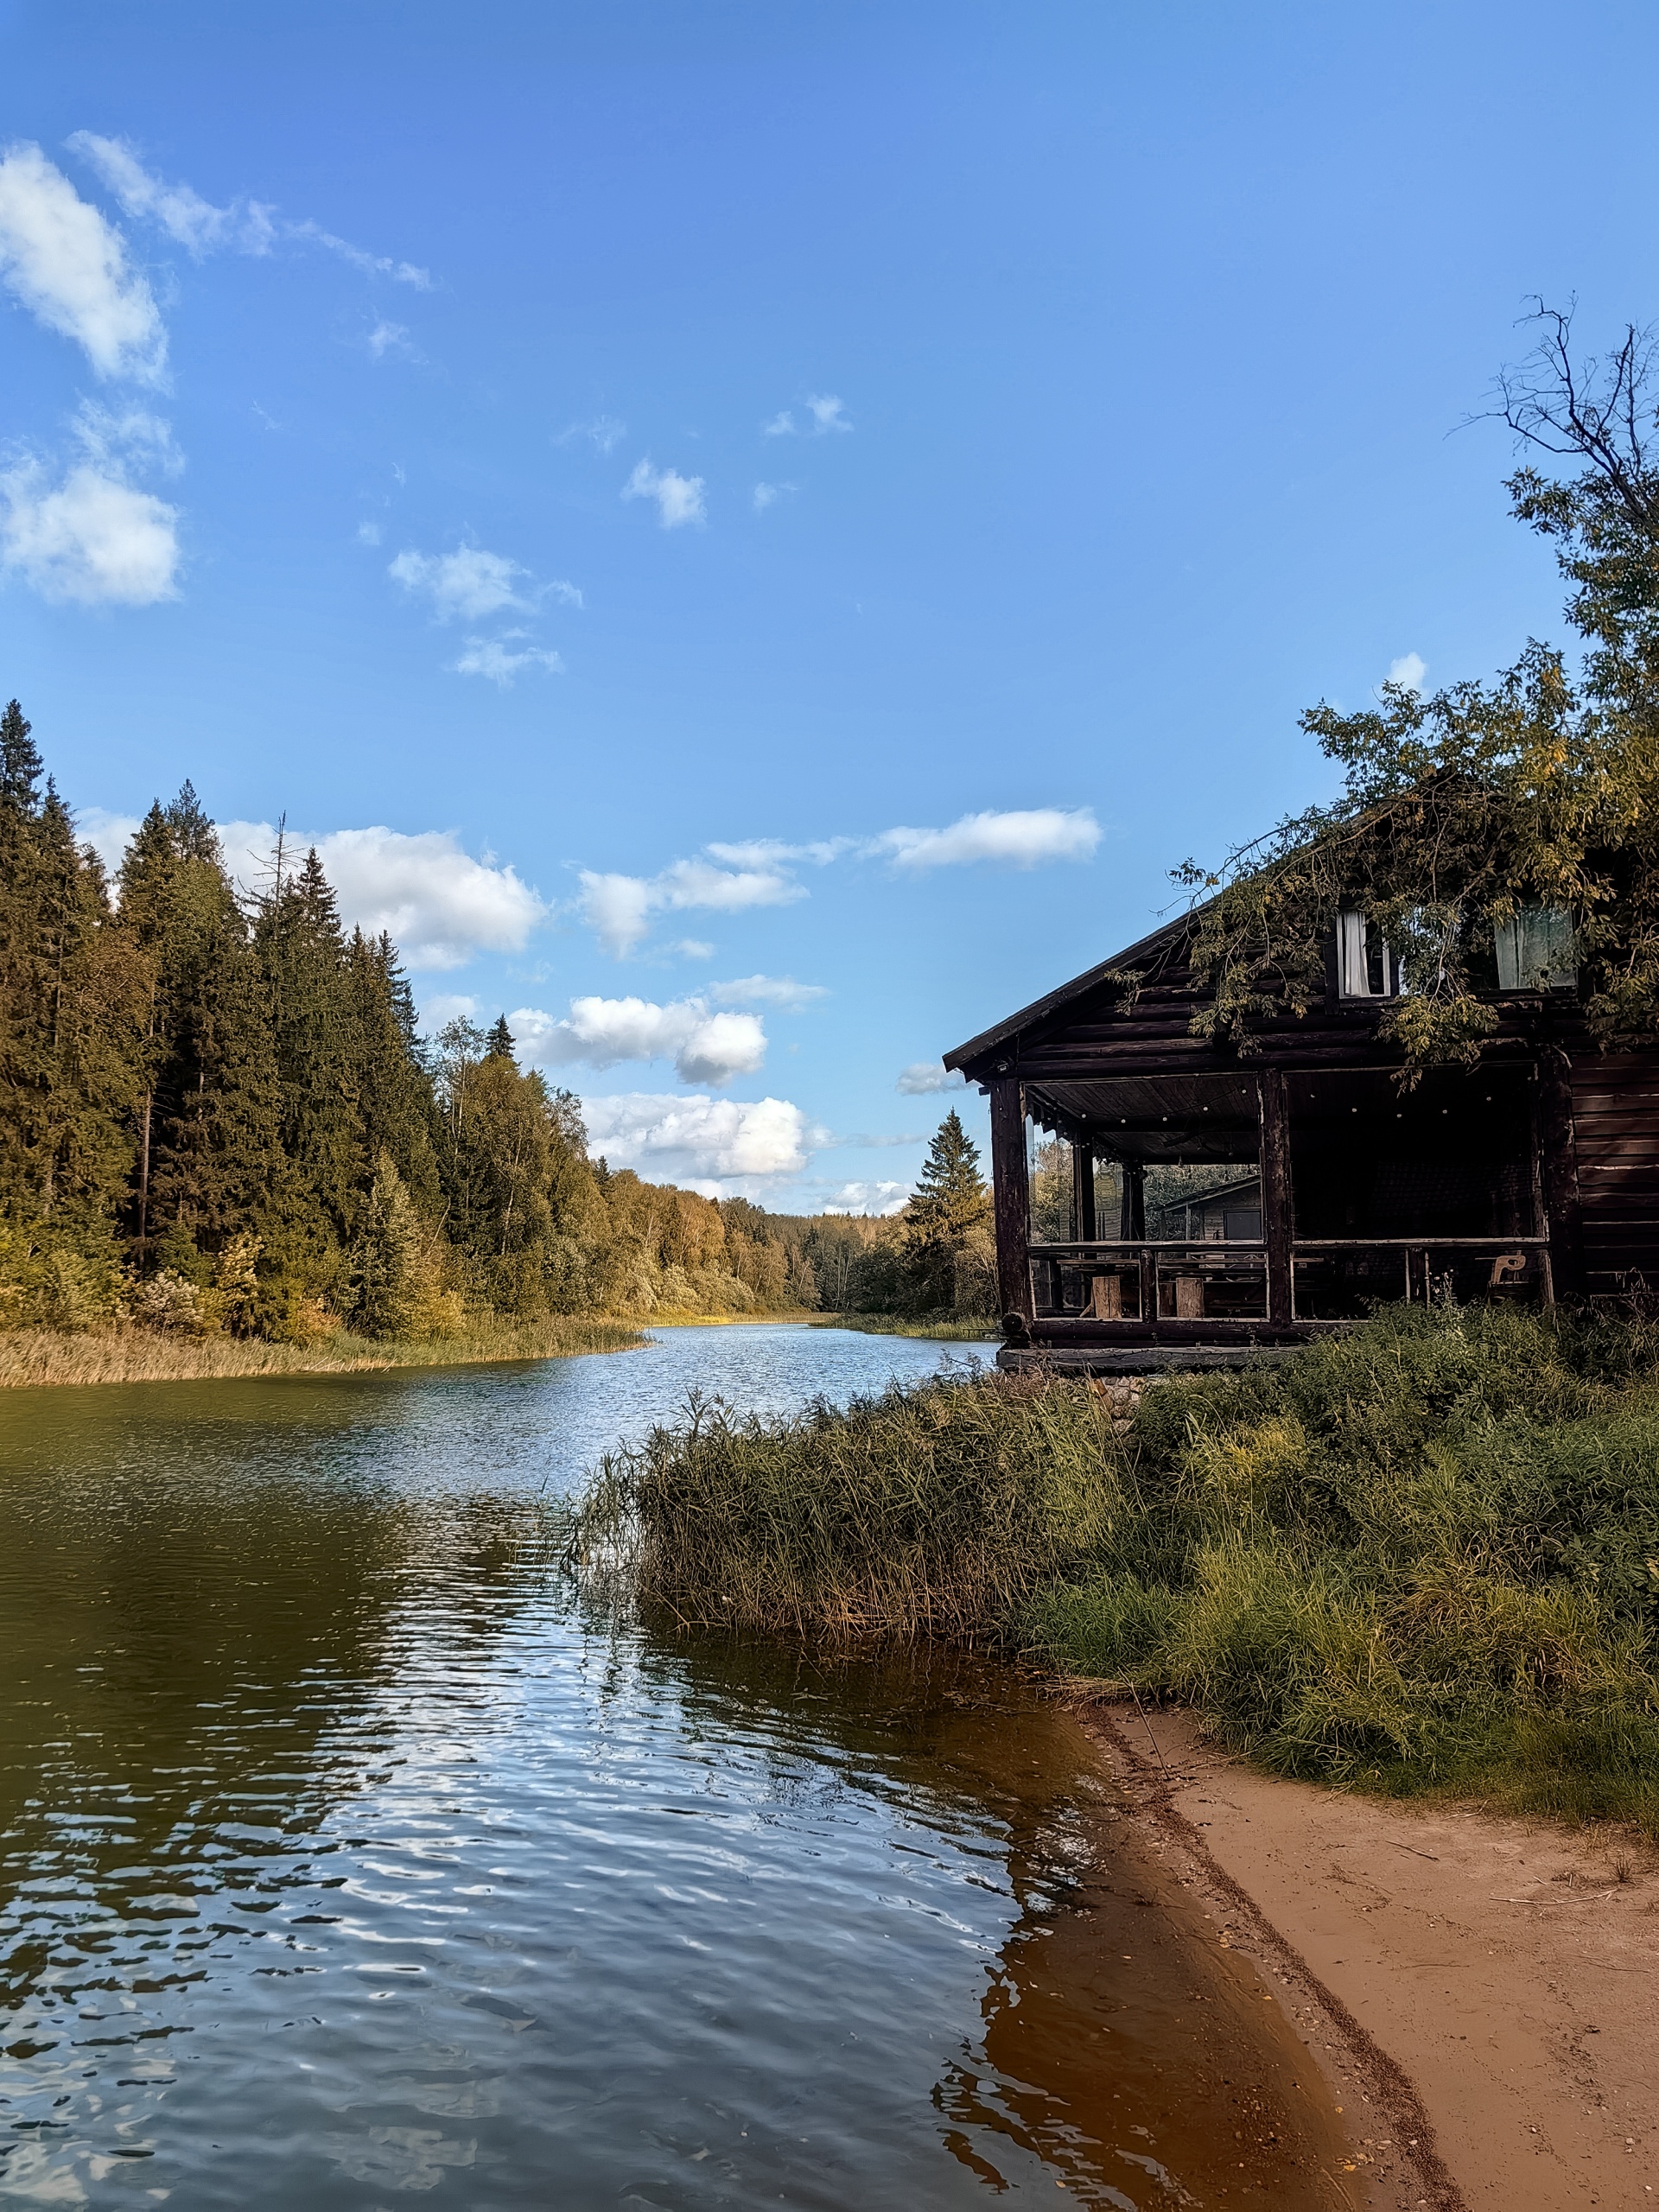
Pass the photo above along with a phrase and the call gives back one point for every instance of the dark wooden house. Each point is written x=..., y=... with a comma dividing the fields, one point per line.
x=1224, y=1204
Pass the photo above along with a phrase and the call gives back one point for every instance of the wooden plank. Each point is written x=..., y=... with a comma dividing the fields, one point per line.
x=1083, y=1192
x=1276, y=1223
x=1559, y=1173
x=1011, y=1195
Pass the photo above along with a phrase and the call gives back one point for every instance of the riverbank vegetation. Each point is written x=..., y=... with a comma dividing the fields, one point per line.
x=30, y=1356
x=1424, y=1555
x=220, y=1124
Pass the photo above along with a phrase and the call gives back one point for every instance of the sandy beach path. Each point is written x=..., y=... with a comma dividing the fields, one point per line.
x=1496, y=1978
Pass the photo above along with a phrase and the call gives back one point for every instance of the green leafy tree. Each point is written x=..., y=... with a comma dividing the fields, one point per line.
x=1538, y=788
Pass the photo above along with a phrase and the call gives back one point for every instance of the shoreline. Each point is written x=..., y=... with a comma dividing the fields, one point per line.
x=48, y=1359
x=1477, y=1988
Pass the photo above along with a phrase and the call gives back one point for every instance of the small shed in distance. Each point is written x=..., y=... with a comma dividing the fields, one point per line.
x=1224, y=1204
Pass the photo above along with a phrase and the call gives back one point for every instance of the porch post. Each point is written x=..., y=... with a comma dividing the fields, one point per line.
x=1083, y=1193
x=1013, y=1196
x=1134, y=1214
x=1557, y=1175
x=1276, y=1194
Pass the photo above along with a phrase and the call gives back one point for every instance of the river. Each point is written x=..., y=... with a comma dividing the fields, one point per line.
x=349, y=1854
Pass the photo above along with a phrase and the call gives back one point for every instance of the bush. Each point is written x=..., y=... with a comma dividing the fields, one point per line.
x=1423, y=1554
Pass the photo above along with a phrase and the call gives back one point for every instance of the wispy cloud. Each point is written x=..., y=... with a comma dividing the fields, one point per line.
x=825, y=417
x=721, y=1146
x=68, y=266
x=473, y=582
x=244, y=226
x=730, y=877
x=618, y=908
x=922, y=1077
x=604, y=433
x=679, y=499
x=1018, y=838
x=190, y=220
x=500, y=659
x=766, y=495
x=781, y=991
x=704, y=1046
x=391, y=340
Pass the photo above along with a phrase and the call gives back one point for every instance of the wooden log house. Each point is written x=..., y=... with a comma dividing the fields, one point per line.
x=1322, y=1185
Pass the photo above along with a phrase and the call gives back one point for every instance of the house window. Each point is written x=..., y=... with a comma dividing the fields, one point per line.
x=1365, y=967
x=1535, y=950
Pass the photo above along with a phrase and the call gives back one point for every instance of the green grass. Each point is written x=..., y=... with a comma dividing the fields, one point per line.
x=1422, y=1556
x=952, y=1331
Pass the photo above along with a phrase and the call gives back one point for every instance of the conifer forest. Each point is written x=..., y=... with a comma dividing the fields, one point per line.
x=218, y=1115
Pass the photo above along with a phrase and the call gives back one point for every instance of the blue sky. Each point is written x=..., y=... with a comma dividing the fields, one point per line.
x=758, y=533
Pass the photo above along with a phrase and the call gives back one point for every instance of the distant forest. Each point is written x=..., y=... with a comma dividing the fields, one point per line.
x=217, y=1113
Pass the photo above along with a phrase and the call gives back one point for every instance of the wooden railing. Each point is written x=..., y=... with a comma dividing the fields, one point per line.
x=1152, y=1279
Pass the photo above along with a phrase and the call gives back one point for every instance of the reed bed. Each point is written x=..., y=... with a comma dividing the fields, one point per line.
x=32, y=1356
x=1422, y=1556
x=953, y=1330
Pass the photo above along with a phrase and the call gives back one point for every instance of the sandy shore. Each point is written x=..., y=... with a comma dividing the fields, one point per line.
x=1480, y=1990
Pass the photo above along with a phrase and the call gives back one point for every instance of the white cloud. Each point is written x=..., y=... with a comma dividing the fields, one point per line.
x=1021, y=838
x=723, y=1147
x=692, y=947
x=604, y=433
x=106, y=833
x=195, y=223
x=766, y=495
x=704, y=1046
x=441, y=906
x=371, y=265
x=883, y=1199
x=679, y=499
x=392, y=338
x=826, y=411
x=368, y=533
x=781, y=991
x=737, y=876
x=922, y=1077
x=90, y=537
x=203, y=228
x=69, y=268
x=447, y=1005
x=500, y=660
x=471, y=582
x=1409, y=672
x=773, y=852
x=618, y=908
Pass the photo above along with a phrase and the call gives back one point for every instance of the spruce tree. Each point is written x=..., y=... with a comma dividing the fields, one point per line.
x=949, y=1206
x=501, y=1040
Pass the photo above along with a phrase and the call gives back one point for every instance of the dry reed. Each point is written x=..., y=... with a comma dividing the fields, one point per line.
x=33, y=1356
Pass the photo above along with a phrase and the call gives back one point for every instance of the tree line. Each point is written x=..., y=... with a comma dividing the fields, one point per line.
x=217, y=1112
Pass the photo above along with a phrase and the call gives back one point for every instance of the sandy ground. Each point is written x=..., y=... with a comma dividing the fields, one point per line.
x=1481, y=1991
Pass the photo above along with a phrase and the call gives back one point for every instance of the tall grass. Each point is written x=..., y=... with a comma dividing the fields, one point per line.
x=1425, y=1554
x=29, y=1356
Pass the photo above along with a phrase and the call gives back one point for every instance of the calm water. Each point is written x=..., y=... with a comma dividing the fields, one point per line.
x=345, y=1857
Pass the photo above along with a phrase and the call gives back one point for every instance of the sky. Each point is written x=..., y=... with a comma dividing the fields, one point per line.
x=753, y=535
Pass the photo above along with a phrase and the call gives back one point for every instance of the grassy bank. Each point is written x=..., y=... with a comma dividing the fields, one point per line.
x=29, y=1356
x=892, y=1324
x=1422, y=1556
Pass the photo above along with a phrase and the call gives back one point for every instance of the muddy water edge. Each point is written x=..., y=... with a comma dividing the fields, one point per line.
x=346, y=1853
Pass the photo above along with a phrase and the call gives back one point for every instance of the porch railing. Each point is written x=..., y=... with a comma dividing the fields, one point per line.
x=1331, y=1279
